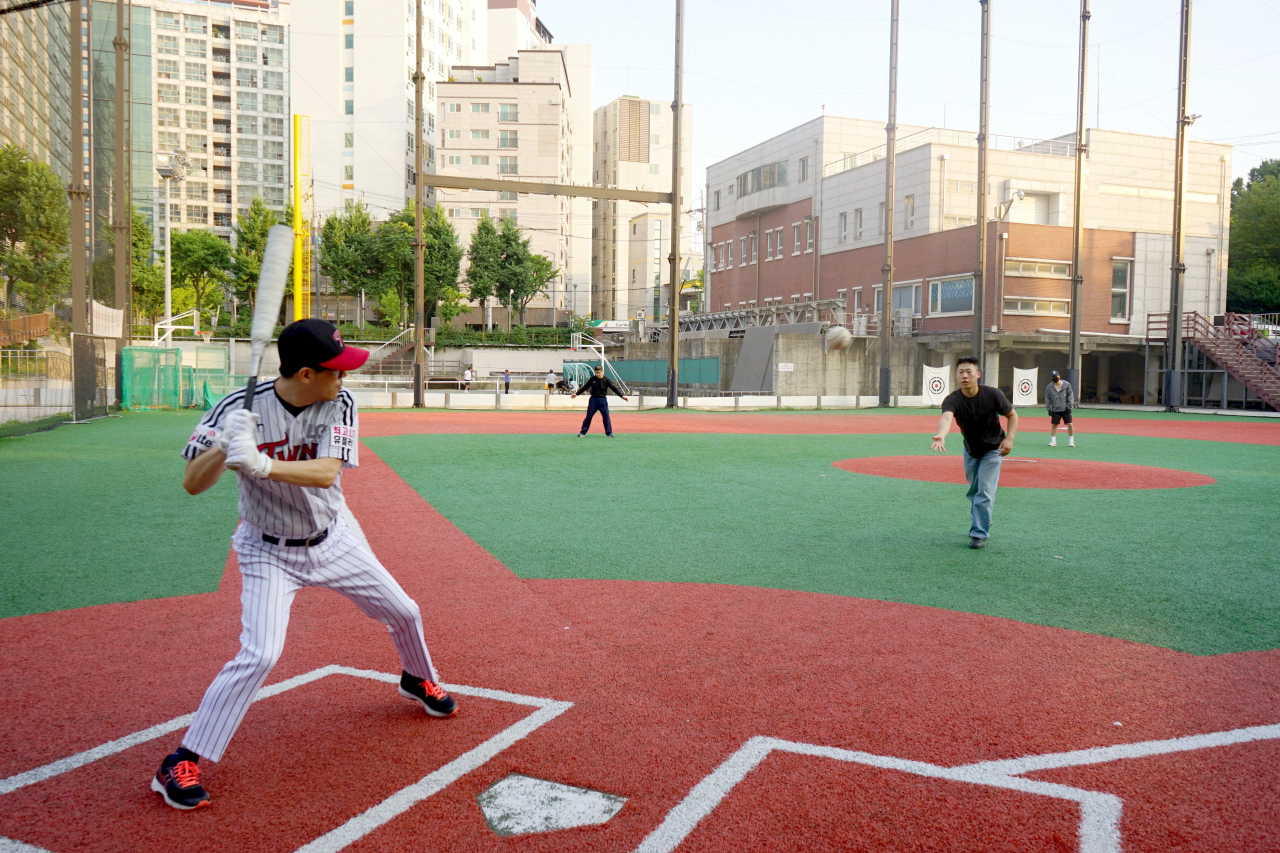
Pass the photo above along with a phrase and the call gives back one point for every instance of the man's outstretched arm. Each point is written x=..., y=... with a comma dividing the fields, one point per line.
x=940, y=437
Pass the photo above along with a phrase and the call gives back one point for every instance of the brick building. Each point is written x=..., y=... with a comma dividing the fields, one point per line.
x=784, y=230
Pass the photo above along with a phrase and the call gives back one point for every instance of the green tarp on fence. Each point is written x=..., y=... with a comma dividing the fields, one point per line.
x=653, y=371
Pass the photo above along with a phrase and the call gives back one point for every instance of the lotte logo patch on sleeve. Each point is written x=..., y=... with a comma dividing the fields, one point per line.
x=343, y=437
x=205, y=436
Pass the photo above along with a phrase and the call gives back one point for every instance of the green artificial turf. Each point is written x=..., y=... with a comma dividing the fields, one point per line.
x=1187, y=569
x=95, y=513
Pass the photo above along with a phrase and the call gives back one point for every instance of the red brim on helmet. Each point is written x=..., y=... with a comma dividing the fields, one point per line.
x=351, y=358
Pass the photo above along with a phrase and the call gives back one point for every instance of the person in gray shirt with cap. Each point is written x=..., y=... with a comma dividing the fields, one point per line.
x=1060, y=399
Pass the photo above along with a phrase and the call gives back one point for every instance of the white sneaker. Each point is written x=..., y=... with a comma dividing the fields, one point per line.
x=1071, y=442
x=1053, y=442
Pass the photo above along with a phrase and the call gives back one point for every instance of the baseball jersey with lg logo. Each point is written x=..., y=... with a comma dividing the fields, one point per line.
x=323, y=429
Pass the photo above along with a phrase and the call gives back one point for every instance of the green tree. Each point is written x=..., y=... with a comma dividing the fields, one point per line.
x=202, y=262
x=1253, y=276
x=484, y=261
x=393, y=243
x=347, y=254
x=442, y=265
x=148, y=278
x=34, y=231
x=251, y=230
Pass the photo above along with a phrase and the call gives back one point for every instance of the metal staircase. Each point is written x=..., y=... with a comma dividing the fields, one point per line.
x=1235, y=346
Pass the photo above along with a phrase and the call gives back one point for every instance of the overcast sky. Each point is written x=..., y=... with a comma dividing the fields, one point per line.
x=755, y=68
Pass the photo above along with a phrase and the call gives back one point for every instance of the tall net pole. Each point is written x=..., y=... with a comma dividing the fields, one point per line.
x=1173, y=357
x=1077, y=233
x=890, y=172
x=980, y=271
x=123, y=198
x=673, y=318
x=78, y=192
x=419, y=253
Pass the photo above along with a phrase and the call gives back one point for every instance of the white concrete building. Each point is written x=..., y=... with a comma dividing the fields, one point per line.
x=353, y=69
x=513, y=26
x=220, y=77
x=528, y=119
x=632, y=150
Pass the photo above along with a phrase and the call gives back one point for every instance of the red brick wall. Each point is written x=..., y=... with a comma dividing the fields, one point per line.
x=783, y=277
x=927, y=257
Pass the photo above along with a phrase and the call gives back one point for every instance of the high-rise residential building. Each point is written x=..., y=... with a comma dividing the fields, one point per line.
x=513, y=26
x=353, y=67
x=35, y=88
x=527, y=119
x=632, y=150
x=221, y=78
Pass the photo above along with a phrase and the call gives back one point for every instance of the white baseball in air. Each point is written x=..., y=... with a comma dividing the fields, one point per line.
x=838, y=337
x=272, y=278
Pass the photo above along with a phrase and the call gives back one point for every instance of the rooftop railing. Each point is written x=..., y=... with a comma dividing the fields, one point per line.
x=943, y=136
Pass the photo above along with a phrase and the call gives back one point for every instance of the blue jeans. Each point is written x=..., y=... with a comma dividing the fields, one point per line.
x=983, y=475
x=601, y=405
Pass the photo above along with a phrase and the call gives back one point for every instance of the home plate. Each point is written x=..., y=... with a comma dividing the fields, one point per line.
x=521, y=804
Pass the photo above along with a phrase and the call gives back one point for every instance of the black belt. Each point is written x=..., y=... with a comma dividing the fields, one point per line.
x=297, y=543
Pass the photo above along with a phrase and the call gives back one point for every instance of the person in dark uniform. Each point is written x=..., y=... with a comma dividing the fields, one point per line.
x=977, y=409
x=599, y=387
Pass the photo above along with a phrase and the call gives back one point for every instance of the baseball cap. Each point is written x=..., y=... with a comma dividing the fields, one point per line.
x=317, y=343
x=1055, y=374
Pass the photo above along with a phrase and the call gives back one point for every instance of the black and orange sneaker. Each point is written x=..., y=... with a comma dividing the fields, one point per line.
x=433, y=697
x=178, y=781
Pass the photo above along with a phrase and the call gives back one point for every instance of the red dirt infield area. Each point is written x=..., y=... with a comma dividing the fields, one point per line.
x=1264, y=431
x=667, y=681
x=1023, y=473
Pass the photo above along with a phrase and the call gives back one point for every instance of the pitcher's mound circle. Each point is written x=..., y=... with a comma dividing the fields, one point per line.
x=1030, y=473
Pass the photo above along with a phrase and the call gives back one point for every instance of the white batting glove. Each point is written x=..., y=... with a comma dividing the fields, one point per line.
x=243, y=456
x=239, y=422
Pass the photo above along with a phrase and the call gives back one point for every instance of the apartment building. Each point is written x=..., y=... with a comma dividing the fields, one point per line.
x=787, y=231
x=35, y=89
x=513, y=26
x=353, y=76
x=220, y=90
x=528, y=119
x=631, y=149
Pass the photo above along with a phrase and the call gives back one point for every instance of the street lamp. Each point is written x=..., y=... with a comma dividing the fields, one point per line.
x=171, y=168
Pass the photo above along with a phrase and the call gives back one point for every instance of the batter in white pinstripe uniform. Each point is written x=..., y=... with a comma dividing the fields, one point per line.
x=289, y=455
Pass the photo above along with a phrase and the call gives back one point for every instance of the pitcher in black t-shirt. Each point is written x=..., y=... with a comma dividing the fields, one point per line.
x=977, y=409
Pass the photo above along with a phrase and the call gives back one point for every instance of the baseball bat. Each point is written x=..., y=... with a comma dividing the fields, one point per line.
x=272, y=278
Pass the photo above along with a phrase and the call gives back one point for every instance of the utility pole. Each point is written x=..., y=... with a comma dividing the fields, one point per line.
x=890, y=167
x=78, y=192
x=1077, y=234
x=979, y=272
x=1173, y=355
x=419, y=331
x=673, y=313
x=123, y=195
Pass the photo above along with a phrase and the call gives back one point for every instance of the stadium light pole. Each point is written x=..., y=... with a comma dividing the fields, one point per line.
x=1077, y=233
x=78, y=192
x=123, y=197
x=979, y=272
x=1173, y=355
x=890, y=167
x=673, y=313
x=419, y=254
x=173, y=169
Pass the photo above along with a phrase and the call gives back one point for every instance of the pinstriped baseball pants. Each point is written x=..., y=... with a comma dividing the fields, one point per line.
x=272, y=576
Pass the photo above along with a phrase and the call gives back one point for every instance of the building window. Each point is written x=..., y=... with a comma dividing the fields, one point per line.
x=1037, y=269
x=479, y=160
x=1121, y=280
x=348, y=173
x=273, y=34
x=455, y=108
x=348, y=140
x=167, y=140
x=857, y=224
x=909, y=211
x=808, y=234
x=1037, y=306
x=653, y=109
x=167, y=69
x=716, y=200
x=453, y=133
x=273, y=57
x=906, y=297
x=197, y=143
x=508, y=166
x=349, y=41
x=273, y=80
x=273, y=127
x=768, y=246
x=349, y=108
x=508, y=138
x=247, y=147
x=273, y=104
x=247, y=102
x=195, y=48
x=247, y=172
x=762, y=178
x=167, y=21
x=196, y=72
x=843, y=223
x=196, y=120
x=954, y=296
x=167, y=45
x=247, y=53
x=754, y=247
x=270, y=150
x=246, y=31
x=197, y=191
x=198, y=214
x=247, y=124
x=350, y=75
x=508, y=215
x=507, y=195
x=507, y=112
x=742, y=250
x=247, y=78
x=273, y=173
x=728, y=255
x=479, y=108
x=479, y=134
x=795, y=239
x=167, y=93
x=453, y=160
x=804, y=169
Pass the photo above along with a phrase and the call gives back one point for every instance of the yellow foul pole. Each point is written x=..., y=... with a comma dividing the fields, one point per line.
x=301, y=301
